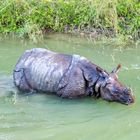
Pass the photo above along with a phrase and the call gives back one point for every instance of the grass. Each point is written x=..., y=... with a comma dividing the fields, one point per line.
x=31, y=18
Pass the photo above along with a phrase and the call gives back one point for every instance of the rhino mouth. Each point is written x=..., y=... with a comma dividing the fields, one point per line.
x=129, y=101
x=125, y=100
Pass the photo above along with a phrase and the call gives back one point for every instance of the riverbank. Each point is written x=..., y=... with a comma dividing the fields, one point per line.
x=34, y=19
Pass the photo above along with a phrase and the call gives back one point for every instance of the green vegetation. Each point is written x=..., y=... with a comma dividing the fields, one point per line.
x=32, y=18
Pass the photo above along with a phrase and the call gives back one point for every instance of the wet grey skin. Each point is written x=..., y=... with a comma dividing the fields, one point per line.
x=68, y=76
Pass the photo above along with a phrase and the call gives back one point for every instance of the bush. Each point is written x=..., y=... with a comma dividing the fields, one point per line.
x=31, y=17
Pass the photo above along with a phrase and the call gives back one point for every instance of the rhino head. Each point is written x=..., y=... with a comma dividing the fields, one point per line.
x=111, y=89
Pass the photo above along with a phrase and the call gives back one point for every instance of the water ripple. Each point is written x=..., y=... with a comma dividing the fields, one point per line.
x=132, y=67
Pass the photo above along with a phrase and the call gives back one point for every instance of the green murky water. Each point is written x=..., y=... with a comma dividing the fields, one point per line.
x=48, y=117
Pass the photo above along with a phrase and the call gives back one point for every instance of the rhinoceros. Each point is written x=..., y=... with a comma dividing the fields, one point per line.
x=68, y=76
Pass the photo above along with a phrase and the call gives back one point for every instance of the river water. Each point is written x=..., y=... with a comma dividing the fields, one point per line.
x=48, y=117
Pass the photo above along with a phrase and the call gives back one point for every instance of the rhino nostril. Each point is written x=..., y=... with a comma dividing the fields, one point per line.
x=130, y=100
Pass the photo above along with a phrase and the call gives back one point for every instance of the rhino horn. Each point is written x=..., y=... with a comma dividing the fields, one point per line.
x=116, y=70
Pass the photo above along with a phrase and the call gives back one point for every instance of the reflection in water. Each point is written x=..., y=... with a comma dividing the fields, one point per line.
x=41, y=116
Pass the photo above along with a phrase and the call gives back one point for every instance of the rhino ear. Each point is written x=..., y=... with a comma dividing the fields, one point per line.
x=99, y=69
x=102, y=73
x=116, y=70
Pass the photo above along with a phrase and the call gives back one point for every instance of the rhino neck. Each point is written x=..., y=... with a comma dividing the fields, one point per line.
x=100, y=82
x=96, y=88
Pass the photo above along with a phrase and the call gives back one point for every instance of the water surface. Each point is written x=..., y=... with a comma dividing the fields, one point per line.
x=48, y=117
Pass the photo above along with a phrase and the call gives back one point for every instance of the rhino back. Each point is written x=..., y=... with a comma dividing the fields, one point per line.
x=44, y=69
